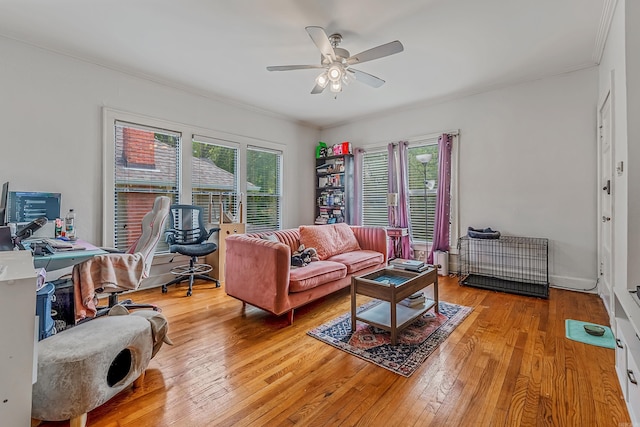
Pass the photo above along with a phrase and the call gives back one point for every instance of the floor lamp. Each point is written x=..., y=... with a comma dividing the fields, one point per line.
x=428, y=185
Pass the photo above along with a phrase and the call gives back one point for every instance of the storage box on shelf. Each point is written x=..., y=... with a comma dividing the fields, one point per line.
x=334, y=180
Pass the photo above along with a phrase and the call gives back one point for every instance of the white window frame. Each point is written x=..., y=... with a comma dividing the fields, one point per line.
x=420, y=192
x=222, y=143
x=383, y=152
x=110, y=116
x=280, y=152
x=454, y=189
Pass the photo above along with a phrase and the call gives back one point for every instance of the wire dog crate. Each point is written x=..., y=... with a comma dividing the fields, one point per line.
x=518, y=265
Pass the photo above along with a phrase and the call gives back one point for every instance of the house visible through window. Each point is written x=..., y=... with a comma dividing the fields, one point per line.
x=146, y=166
x=214, y=177
x=264, y=189
x=146, y=158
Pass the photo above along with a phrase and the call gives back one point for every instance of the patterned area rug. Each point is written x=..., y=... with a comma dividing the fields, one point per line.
x=415, y=343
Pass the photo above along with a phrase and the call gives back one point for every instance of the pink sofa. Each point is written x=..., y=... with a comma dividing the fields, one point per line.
x=259, y=271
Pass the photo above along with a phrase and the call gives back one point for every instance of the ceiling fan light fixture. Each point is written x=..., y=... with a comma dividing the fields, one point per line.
x=336, y=62
x=322, y=80
x=335, y=73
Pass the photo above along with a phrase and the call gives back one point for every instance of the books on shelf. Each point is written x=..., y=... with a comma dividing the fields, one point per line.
x=321, y=220
x=409, y=264
x=324, y=168
x=415, y=300
x=400, y=262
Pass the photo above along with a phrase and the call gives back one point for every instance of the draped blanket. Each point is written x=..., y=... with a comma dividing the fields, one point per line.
x=104, y=273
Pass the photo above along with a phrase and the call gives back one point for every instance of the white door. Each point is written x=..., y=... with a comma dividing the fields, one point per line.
x=605, y=204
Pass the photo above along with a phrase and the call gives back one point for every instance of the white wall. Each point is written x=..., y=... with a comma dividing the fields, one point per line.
x=527, y=162
x=51, y=115
x=527, y=152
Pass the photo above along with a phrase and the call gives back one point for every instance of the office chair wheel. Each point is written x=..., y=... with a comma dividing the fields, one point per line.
x=164, y=289
x=189, y=293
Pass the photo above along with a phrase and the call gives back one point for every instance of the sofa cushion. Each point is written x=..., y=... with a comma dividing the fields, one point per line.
x=329, y=240
x=315, y=274
x=358, y=260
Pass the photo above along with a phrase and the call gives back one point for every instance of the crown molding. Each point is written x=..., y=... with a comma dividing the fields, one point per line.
x=608, y=7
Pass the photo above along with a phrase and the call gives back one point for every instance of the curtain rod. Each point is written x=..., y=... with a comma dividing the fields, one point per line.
x=379, y=146
x=433, y=135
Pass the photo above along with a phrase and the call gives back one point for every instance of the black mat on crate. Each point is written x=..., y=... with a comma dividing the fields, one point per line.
x=510, y=286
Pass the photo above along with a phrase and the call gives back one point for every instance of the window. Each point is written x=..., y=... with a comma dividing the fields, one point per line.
x=146, y=157
x=214, y=177
x=422, y=190
x=374, y=189
x=264, y=190
x=146, y=165
x=422, y=198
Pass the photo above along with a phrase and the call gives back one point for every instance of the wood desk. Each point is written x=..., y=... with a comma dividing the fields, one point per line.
x=62, y=259
x=217, y=259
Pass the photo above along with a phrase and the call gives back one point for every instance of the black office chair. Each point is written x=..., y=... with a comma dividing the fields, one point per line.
x=188, y=236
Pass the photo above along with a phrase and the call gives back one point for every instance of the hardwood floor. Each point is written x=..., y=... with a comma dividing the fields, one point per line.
x=507, y=364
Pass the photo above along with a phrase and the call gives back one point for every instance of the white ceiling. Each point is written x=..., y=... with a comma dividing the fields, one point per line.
x=222, y=48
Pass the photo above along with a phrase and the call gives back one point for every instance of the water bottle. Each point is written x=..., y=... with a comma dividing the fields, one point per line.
x=70, y=225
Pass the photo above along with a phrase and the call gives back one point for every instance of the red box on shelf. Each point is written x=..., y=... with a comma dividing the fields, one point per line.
x=346, y=147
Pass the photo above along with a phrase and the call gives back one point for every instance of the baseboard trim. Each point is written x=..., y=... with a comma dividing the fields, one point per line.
x=573, y=284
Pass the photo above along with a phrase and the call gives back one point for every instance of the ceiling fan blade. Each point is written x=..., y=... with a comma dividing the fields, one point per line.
x=292, y=67
x=321, y=40
x=366, y=78
x=376, y=52
x=317, y=89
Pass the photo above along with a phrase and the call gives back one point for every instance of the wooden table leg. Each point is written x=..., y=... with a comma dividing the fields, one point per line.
x=353, y=305
x=394, y=318
x=435, y=295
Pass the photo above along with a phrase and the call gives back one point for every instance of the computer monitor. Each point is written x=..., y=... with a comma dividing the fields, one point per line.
x=3, y=203
x=26, y=206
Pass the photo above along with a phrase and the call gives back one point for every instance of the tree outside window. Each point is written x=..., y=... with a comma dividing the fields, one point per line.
x=422, y=197
x=214, y=179
x=264, y=190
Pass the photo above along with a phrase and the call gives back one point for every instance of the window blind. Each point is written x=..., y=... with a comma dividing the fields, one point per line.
x=422, y=213
x=374, y=189
x=146, y=166
x=214, y=177
x=264, y=190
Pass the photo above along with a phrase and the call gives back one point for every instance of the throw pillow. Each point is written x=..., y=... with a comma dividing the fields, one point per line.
x=329, y=240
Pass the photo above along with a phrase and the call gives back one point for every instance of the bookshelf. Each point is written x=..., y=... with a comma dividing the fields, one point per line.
x=334, y=189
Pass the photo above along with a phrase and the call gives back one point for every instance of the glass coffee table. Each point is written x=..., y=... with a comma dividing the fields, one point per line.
x=392, y=285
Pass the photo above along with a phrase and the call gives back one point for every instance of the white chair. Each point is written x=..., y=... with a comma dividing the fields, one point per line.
x=115, y=273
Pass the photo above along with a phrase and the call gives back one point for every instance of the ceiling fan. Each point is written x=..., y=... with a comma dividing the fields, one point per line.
x=337, y=62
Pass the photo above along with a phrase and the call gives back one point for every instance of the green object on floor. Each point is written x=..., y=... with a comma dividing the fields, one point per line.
x=575, y=331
